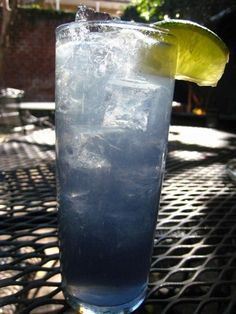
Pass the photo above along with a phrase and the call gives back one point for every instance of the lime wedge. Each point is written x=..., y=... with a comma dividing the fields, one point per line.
x=202, y=55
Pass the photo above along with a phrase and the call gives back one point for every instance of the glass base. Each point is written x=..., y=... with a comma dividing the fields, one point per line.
x=84, y=308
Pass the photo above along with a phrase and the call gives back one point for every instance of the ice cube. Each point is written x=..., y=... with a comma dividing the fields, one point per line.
x=85, y=13
x=129, y=103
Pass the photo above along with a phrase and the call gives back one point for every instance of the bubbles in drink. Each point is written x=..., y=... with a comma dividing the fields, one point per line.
x=98, y=62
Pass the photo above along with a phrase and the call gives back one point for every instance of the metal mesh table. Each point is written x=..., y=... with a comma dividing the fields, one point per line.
x=194, y=258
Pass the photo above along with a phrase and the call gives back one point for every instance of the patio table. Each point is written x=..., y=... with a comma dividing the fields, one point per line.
x=194, y=258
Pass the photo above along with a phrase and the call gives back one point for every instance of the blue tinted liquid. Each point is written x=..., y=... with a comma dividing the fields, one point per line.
x=109, y=180
x=107, y=218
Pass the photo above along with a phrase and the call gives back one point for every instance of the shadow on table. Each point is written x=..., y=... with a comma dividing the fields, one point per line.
x=188, y=153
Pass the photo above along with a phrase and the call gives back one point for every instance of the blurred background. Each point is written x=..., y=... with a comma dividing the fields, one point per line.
x=27, y=52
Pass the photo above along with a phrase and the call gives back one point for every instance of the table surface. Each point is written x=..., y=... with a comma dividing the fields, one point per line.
x=50, y=106
x=194, y=258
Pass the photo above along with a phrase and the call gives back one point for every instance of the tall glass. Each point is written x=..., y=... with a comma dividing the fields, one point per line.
x=114, y=88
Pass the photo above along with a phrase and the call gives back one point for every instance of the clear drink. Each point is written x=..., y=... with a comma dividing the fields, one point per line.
x=112, y=120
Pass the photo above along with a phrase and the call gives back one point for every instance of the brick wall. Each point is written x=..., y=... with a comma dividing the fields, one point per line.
x=30, y=56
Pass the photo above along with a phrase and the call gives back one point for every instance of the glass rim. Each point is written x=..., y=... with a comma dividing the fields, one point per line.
x=116, y=23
